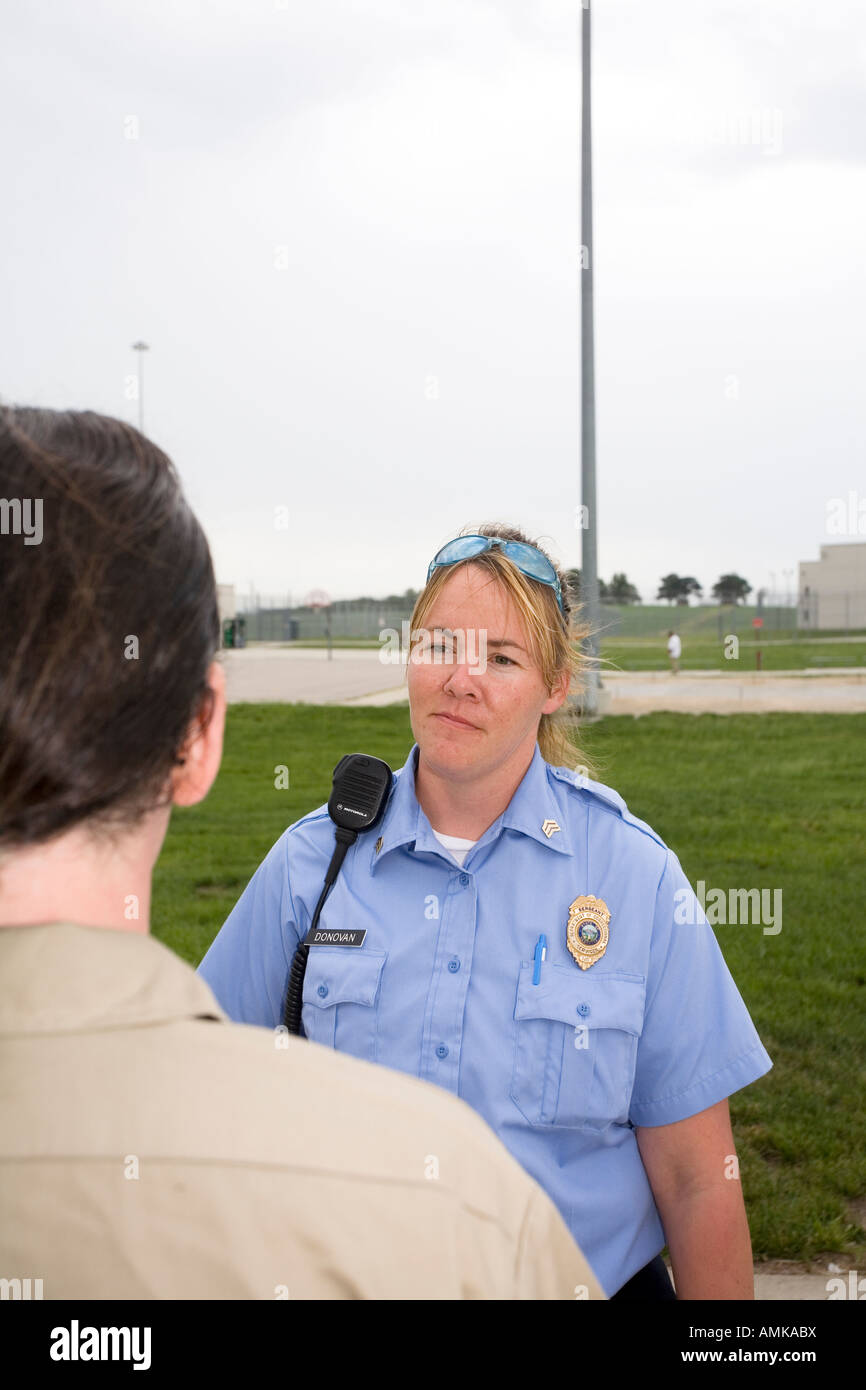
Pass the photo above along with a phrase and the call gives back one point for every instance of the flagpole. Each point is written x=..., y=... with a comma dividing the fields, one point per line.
x=589, y=511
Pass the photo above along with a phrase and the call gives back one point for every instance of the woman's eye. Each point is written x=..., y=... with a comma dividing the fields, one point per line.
x=507, y=659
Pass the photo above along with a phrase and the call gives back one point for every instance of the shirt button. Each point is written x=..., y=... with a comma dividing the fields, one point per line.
x=464, y=879
x=454, y=965
x=442, y=1050
x=322, y=991
x=584, y=1010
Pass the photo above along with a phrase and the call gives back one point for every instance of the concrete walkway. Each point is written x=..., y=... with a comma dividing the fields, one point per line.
x=834, y=691
x=775, y=1288
x=359, y=677
x=305, y=674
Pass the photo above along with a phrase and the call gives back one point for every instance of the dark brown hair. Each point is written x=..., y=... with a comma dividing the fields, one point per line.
x=89, y=730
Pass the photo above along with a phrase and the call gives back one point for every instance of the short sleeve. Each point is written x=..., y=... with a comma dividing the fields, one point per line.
x=247, y=965
x=698, y=1043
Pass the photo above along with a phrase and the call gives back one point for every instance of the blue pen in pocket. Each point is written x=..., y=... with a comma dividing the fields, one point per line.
x=540, y=953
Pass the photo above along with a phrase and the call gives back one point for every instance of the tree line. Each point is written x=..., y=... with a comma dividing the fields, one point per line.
x=673, y=588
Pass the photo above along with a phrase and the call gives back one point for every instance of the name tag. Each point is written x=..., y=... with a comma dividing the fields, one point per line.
x=324, y=936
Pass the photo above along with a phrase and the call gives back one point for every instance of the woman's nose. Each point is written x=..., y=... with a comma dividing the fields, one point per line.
x=462, y=679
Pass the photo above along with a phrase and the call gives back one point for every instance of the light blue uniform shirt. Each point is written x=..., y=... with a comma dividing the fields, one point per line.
x=442, y=987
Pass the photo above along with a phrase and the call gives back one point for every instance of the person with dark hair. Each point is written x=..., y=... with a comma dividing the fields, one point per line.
x=151, y=1149
x=526, y=942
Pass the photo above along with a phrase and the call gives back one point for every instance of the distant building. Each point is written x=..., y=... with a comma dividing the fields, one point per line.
x=833, y=589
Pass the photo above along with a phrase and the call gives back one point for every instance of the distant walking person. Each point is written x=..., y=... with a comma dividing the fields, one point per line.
x=675, y=648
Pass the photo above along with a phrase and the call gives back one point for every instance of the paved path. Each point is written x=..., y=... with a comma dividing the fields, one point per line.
x=841, y=690
x=358, y=677
x=773, y=1288
x=305, y=673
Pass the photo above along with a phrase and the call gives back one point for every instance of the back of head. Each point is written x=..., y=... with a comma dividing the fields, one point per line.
x=109, y=624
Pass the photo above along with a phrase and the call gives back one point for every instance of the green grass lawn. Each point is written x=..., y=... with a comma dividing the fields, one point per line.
x=752, y=801
x=705, y=654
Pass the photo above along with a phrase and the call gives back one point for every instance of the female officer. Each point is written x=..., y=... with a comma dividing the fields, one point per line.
x=530, y=945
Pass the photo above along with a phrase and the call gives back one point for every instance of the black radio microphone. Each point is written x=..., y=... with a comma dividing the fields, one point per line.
x=358, y=797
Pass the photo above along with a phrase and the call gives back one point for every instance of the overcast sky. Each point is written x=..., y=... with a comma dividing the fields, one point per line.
x=349, y=231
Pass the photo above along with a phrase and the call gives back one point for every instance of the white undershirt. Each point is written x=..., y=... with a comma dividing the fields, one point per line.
x=458, y=847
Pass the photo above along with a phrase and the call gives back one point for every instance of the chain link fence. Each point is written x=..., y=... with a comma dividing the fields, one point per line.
x=275, y=620
x=272, y=619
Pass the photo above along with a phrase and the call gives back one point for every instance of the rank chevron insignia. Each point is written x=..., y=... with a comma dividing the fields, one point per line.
x=550, y=828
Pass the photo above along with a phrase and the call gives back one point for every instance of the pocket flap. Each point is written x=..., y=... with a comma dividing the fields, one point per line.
x=612, y=1000
x=342, y=975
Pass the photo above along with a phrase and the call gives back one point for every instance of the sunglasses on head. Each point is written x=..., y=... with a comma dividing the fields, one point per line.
x=527, y=558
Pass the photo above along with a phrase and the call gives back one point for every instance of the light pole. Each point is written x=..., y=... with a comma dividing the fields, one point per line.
x=140, y=348
x=589, y=546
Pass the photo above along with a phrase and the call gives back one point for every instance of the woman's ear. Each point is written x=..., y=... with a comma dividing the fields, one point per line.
x=199, y=757
x=558, y=694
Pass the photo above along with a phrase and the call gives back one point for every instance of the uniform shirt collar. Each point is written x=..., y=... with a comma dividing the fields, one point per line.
x=63, y=978
x=533, y=803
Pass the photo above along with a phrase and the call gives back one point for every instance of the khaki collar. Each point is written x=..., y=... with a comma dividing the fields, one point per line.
x=62, y=978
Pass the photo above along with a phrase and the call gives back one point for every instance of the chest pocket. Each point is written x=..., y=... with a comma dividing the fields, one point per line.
x=340, y=1000
x=576, y=1046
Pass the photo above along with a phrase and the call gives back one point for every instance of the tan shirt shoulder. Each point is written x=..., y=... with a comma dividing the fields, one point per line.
x=191, y=1157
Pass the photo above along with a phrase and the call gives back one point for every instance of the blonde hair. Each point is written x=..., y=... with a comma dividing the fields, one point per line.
x=554, y=637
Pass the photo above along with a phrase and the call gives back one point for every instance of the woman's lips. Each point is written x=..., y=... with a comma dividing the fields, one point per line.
x=455, y=722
